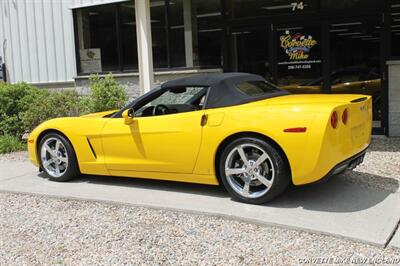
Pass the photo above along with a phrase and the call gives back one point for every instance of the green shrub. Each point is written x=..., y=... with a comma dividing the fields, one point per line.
x=23, y=107
x=47, y=105
x=10, y=144
x=105, y=94
x=13, y=101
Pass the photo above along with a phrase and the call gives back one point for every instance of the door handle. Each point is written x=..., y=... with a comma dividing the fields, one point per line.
x=204, y=119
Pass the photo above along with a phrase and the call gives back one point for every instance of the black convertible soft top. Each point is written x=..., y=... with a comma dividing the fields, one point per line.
x=223, y=88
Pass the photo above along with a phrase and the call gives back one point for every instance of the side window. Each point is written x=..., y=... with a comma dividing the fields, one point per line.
x=173, y=101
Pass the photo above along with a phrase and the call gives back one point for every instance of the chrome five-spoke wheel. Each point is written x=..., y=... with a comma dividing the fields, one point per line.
x=249, y=170
x=253, y=170
x=57, y=158
x=54, y=157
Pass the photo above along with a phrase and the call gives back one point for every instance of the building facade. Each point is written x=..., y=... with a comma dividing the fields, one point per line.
x=308, y=46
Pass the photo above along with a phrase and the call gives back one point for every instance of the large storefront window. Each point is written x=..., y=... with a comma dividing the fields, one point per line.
x=185, y=33
x=177, y=35
x=355, y=59
x=210, y=35
x=128, y=36
x=158, y=34
x=97, y=39
x=307, y=46
x=310, y=52
x=195, y=33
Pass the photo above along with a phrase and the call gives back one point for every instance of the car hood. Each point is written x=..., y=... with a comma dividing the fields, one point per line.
x=99, y=114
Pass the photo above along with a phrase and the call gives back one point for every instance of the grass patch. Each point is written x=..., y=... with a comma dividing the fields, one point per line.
x=10, y=144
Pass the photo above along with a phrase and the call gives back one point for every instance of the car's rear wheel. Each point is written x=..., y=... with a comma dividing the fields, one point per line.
x=57, y=158
x=253, y=171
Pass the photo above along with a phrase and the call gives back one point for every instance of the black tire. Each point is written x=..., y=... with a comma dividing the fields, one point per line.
x=280, y=180
x=71, y=170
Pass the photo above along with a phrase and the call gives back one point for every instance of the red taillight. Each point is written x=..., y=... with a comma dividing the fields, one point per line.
x=345, y=116
x=295, y=130
x=334, y=119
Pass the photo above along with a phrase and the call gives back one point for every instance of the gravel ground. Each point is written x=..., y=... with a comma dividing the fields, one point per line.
x=381, y=167
x=39, y=230
x=14, y=156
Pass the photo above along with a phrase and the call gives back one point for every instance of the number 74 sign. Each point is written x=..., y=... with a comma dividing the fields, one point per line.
x=297, y=6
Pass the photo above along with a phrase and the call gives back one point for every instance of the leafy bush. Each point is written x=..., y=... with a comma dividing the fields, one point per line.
x=10, y=144
x=105, y=94
x=46, y=105
x=23, y=107
x=13, y=101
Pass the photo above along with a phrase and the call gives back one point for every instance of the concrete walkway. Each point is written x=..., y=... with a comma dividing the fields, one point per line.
x=338, y=207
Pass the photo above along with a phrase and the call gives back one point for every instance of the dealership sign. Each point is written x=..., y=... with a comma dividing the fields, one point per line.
x=298, y=48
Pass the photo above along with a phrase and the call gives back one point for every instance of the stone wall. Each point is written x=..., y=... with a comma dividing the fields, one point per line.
x=131, y=80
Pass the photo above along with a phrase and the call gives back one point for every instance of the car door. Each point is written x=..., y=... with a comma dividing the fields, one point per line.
x=155, y=143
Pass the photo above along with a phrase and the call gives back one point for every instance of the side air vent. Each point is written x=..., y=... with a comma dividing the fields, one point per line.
x=91, y=148
x=359, y=100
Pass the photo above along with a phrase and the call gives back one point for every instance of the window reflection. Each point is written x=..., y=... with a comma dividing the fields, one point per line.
x=128, y=35
x=355, y=59
x=195, y=33
x=187, y=33
x=97, y=31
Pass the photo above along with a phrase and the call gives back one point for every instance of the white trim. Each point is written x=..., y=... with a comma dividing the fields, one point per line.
x=393, y=62
x=188, y=35
x=144, y=45
x=76, y=6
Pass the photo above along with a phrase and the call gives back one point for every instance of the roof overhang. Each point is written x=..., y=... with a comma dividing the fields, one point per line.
x=96, y=3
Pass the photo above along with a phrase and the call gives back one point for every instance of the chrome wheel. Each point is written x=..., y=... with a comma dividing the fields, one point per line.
x=54, y=157
x=249, y=170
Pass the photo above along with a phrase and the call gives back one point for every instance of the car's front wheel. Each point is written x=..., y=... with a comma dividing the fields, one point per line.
x=57, y=158
x=253, y=171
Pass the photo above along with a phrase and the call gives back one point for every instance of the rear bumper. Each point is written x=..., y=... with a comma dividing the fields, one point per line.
x=348, y=164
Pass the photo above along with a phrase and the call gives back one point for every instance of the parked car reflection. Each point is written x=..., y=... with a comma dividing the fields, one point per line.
x=351, y=80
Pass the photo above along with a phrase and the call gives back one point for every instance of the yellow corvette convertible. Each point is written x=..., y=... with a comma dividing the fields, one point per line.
x=233, y=128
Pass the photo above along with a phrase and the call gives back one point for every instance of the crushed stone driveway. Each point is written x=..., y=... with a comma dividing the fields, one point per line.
x=40, y=230
x=363, y=205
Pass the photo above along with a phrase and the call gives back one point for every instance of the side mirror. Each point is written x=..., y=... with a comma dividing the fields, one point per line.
x=128, y=116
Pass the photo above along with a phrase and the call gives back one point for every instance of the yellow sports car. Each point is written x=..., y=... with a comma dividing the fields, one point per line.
x=233, y=128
